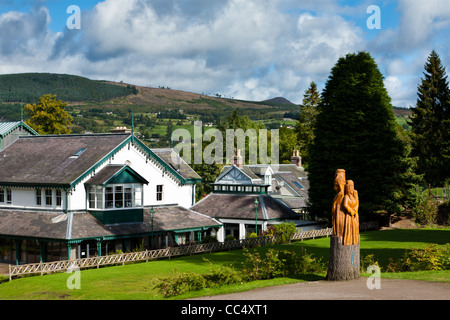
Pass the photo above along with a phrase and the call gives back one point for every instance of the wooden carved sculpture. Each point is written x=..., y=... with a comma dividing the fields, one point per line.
x=338, y=214
x=344, y=243
x=351, y=223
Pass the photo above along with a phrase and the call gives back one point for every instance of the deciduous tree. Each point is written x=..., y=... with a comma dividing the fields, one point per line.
x=48, y=116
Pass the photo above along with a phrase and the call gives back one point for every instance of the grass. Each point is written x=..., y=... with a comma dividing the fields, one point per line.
x=136, y=281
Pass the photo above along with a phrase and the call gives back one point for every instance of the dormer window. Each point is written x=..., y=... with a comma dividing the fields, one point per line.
x=116, y=196
x=115, y=187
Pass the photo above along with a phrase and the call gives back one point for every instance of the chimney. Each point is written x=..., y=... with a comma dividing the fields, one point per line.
x=296, y=159
x=237, y=160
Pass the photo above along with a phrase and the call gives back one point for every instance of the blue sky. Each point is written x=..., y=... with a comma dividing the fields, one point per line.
x=246, y=49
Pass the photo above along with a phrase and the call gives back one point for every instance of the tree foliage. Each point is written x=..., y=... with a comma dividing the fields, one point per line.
x=48, y=116
x=356, y=130
x=306, y=120
x=27, y=87
x=430, y=122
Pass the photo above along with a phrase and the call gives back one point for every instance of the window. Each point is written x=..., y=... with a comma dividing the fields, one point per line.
x=8, y=196
x=58, y=198
x=115, y=196
x=109, y=198
x=138, y=196
x=99, y=195
x=38, y=197
x=128, y=197
x=48, y=197
x=118, y=196
x=91, y=197
x=159, y=192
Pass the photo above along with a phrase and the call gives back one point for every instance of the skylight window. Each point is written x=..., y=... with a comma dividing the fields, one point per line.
x=298, y=184
x=78, y=153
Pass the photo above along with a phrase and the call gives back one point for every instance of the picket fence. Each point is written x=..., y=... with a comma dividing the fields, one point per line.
x=147, y=255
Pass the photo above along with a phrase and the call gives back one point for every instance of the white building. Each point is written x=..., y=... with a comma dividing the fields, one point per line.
x=73, y=196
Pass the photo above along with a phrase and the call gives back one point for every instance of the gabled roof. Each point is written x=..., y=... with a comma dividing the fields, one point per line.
x=116, y=173
x=8, y=127
x=234, y=174
x=177, y=163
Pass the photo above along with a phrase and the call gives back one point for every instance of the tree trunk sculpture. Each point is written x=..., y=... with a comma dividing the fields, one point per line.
x=344, y=244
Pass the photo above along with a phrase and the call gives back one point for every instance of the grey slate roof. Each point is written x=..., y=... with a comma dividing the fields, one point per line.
x=82, y=225
x=243, y=207
x=177, y=163
x=49, y=160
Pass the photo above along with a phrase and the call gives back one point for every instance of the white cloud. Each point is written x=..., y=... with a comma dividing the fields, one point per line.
x=247, y=49
x=420, y=19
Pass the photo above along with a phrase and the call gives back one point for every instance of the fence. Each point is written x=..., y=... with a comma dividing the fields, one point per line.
x=117, y=259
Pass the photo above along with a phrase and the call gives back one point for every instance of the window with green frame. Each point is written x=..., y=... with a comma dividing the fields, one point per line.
x=115, y=196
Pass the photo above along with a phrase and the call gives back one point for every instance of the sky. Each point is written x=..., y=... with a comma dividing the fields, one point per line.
x=242, y=49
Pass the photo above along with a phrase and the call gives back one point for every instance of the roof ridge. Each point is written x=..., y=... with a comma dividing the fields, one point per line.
x=75, y=135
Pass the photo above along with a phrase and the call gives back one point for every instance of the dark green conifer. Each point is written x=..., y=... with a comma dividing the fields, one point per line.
x=355, y=130
x=430, y=123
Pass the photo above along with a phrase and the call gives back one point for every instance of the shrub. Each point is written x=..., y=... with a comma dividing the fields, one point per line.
x=209, y=239
x=425, y=212
x=279, y=263
x=180, y=283
x=284, y=230
x=223, y=275
x=229, y=238
x=431, y=258
x=368, y=261
x=252, y=235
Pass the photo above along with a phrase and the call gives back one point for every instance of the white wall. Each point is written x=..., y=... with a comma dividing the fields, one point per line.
x=25, y=198
x=173, y=192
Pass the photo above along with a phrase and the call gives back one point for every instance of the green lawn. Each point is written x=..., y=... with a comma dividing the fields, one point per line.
x=136, y=281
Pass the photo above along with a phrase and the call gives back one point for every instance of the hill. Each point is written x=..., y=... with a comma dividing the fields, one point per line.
x=278, y=100
x=163, y=98
x=28, y=87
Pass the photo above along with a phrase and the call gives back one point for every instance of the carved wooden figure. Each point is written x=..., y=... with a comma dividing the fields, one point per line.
x=351, y=223
x=344, y=243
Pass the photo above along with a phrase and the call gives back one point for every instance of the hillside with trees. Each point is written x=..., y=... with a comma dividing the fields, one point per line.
x=29, y=87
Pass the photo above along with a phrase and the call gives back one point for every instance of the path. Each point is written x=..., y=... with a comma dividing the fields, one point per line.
x=391, y=289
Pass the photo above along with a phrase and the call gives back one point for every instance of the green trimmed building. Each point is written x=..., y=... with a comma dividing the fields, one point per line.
x=75, y=196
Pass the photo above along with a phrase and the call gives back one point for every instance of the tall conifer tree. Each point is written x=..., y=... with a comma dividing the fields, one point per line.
x=355, y=130
x=430, y=122
x=307, y=117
